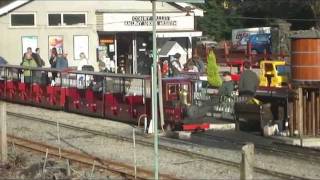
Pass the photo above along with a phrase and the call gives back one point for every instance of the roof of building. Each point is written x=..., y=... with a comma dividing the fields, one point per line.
x=167, y=47
x=170, y=48
x=7, y=6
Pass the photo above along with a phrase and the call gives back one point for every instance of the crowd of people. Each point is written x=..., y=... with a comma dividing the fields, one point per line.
x=173, y=67
x=247, y=85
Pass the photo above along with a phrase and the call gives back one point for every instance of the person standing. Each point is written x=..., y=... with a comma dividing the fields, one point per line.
x=200, y=64
x=83, y=61
x=40, y=62
x=53, y=62
x=28, y=62
x=249, y=81
x=35, y=56
x=227, y=85
x=53, y=57
x=175, y=65
x=62, y=61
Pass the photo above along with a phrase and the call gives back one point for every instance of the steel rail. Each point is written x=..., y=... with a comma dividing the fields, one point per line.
x=310, y=155
x=116, y=167
x=163, y=147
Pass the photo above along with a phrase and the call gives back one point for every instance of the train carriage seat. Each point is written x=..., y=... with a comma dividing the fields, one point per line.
x=37, y=92
x=74, y=95
x=136, y=105
x=134, y=100
x=112, y=103
x=23, y=88
x=89, y=95
x=1, y=88
x=52, y=91
x=90, y=100
x=10, y=88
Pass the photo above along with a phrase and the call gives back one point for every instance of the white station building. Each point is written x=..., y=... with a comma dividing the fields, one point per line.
x=111, y=31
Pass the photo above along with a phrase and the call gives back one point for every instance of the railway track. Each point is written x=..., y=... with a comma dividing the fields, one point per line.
x=163, y=147
x=124, y=170
x=301, y=153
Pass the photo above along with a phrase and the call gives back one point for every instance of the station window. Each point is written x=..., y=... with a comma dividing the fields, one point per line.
x=54, y=19
x=74, y=19
x=22, y=20
x=67, y=19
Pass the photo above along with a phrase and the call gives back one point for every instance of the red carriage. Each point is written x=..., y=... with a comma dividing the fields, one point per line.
x=119, y=97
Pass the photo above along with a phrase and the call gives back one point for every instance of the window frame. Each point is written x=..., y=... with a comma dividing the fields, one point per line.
x=62, y=20
x=23, y=13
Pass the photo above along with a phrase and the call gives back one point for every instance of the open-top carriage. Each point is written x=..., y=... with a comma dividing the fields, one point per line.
x=113, y=96
x=119, y=97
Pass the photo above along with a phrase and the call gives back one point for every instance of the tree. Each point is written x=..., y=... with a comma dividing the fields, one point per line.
x=216, y=21
x=269, y=10
x=315, y=8
x=214, y=78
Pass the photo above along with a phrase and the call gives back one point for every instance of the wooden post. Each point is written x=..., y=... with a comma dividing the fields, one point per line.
x=313, y=100
x=304, y=118
x=45, y=161
x=309, y=110
x=296, y=112
x=58, y=135
x=290, y=110
x=247, y=162
x=300, y=108
x=3, y=139
x=318, y=113
x=68, y=168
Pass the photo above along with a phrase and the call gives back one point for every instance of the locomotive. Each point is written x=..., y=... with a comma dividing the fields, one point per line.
x=119, y=97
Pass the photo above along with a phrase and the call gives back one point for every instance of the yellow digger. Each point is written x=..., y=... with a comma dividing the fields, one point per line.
x=274, y=73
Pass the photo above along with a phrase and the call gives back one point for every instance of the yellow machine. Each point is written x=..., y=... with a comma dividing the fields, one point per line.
x=274, y=73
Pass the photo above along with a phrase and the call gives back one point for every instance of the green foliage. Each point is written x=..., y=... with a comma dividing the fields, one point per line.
x=216, y=22
x=219, y=19
x=214, y=78
x=268, y=10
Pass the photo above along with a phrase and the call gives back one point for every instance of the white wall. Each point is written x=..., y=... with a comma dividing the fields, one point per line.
x=10, y=41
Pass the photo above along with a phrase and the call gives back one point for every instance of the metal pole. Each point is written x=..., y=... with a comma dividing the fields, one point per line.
x=134, y=152
x=3, y=132
x=155, y=91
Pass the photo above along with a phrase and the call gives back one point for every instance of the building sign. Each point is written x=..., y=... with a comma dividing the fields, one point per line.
x=147, y=21
x=143, y=22
x=240, y=37
x=106, y=40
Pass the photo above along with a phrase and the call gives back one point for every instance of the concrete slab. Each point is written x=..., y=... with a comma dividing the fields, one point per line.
x=220, y=124
x=184, y=134
x=303, y=141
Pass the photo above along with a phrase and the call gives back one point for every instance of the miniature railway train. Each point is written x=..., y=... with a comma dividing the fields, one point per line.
x=118, y=97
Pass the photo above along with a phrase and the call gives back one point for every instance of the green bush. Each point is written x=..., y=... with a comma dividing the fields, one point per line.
x=214, y=78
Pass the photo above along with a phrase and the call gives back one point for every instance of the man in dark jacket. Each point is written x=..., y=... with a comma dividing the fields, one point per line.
x=249, y=81
x=35, y=56
x=227, y=86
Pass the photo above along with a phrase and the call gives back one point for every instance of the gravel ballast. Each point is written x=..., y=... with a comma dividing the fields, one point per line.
x=170, y=163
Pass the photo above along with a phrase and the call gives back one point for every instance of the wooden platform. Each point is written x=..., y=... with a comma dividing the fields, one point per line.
x=305, y=112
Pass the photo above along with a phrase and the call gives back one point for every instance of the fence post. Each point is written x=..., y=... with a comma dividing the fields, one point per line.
x=247, y=162
x=3, y=125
